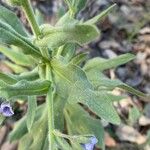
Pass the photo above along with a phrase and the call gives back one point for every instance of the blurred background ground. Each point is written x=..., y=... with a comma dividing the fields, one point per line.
x=126, y=29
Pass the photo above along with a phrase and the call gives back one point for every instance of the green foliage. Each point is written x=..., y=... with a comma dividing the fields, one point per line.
x=97, y=18
x=58, y=36
x=103, y=64
x=32, y=105
x=46, y=63
x=15, y=56
x=25, y=88
x=82, y=123
x=11, y=19
x=134, y=115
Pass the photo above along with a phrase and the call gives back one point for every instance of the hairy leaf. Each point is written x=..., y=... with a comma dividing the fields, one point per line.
x=25, y=88
x=98, y=102
x=66, y=20
x=7, y=78
x=97, y=18
x=101, y=82
x=79, y=58
x=10, y=37
x=15, y=56
x=34, y=136
x=62, y=144
x=59, y=105
x=80, y=90
x=103, y=64
x=10, y=18
x=71, y=73
x=15, y=68
x=29, y=76
x=32, y=105
x=58, y=36
x=82, y=123
x=20, y=128
x=39, y=137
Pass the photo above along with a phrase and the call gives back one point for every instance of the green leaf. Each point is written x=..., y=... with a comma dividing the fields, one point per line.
x=58, y=36
x=15, y=56
x=7, y=78
x=80, y=90
x=97, y=18
x=15, y=68
x=20, y=128
x=71, y=73
x=10, y=37
x=25, y=88
x=104, y=64
x=134, y=115
x=75, y=5
x=79, y=58
x=25, y=142
x=39, y=137
x=10, y=18
x=99, y=102
x=73, y=138
x=32, y=105
x=62, y=144
x=82, y=123
x=80, y=4
x=29, y=76
x=68, y=51
x=59, y=105
x=66, y=20
x=101, y=82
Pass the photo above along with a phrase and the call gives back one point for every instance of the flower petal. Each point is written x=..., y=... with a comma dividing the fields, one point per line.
x=90, y=146
x=6, y=109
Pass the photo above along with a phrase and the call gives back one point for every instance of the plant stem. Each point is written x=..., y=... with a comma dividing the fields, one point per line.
x=49, y=101
x=30, y=16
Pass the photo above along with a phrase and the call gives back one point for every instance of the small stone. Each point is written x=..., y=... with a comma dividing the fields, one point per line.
x=127, y=133
x=144, y=121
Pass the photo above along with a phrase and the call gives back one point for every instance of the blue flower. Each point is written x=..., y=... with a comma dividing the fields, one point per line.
x=6, y=109
x=90, y=146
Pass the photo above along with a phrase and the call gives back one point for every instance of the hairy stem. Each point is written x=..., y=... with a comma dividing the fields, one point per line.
x=49, y=101
x=30, y=16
